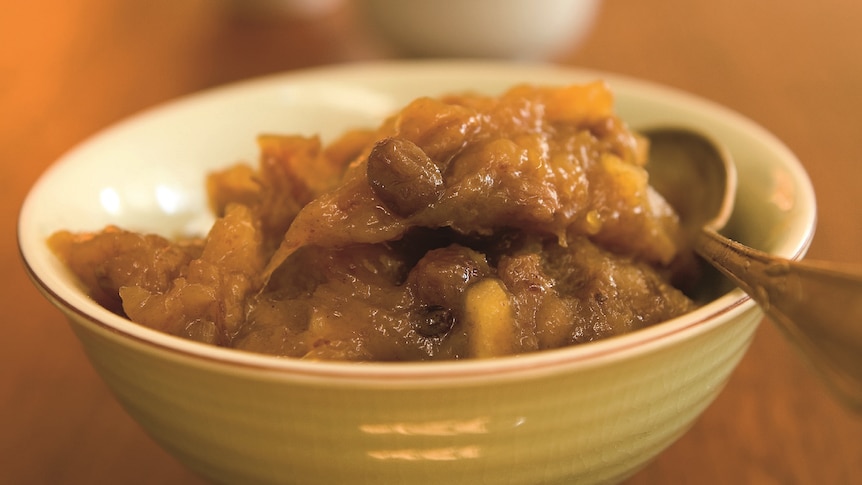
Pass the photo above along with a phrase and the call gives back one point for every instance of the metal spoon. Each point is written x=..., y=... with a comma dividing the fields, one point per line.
x=817, y=305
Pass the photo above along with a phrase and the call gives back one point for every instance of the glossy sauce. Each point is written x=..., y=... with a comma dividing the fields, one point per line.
x=465, y=226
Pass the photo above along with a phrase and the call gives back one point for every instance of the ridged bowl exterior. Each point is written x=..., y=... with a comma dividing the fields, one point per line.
x=583, y=424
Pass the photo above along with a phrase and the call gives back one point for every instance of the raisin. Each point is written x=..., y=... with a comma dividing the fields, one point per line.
x=404, y=178
x=434, y=321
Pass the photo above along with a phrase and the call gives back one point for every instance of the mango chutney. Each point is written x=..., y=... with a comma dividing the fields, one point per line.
x=464, y=226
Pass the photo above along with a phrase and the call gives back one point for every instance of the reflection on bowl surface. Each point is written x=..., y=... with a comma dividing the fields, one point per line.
x=588, y=413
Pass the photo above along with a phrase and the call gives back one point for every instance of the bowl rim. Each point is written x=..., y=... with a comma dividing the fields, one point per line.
x=82, y=310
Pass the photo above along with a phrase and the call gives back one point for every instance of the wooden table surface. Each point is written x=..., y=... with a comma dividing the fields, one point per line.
x=70, y=68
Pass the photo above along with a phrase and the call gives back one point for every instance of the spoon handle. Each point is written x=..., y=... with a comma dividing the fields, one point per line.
x=818, y=307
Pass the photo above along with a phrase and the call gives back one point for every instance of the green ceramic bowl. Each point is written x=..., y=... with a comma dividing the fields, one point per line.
x=587, y=414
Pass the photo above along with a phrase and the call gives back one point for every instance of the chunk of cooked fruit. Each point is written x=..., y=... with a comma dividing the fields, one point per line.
x=490, y=319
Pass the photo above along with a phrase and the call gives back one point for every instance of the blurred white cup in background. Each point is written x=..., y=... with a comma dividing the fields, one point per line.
x=297, y=9
x=514, y=29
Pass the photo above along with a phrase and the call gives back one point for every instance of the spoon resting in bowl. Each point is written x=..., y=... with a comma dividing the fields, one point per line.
x=817, y=305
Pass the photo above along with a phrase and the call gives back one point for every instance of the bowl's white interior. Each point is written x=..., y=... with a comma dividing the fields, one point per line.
x=147, y=174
